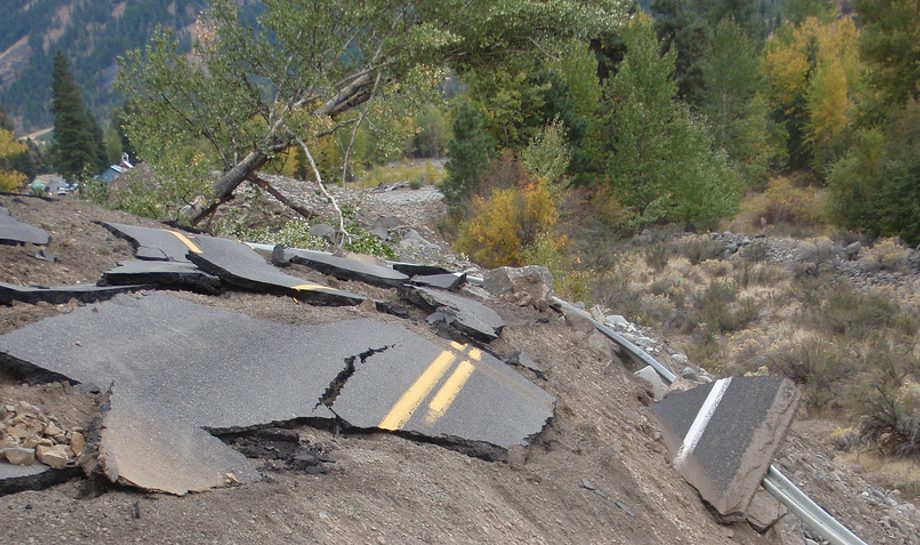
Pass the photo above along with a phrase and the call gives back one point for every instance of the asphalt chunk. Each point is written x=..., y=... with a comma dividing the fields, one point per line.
x=465, y=316
x=15, y=232
x=415, y=269
x=342, y=268
x=58, y=295
x=164, y=274
x=222, y=370
x=34, y=477
x=164, y=244
x=449, y=282
x=239, y=265
x=722, y=436
x=148, y=446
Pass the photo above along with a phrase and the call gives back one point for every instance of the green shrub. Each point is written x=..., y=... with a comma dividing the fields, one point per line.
x=716, y=308
x=746, y=274
x=819, y=366
x=656, y=256
x=699, y=249
x=841, y=310
x=887, y=399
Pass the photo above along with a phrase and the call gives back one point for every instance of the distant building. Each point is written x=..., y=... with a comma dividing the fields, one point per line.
x=114, y=171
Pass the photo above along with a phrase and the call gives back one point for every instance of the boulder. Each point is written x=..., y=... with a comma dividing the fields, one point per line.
x=56, y=456
x=19, y=456
x=764, y=511
x=653, y=383
x=323, y=230
x=530, y=285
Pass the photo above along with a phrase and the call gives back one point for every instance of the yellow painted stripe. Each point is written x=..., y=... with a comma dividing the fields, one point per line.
x=457, y=346
x=308, y=287
x=449, y=391
x=475, y=353
x=185, y=240
x=403, y=409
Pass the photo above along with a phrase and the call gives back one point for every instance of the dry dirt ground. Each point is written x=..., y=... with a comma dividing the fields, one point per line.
x=597, y=474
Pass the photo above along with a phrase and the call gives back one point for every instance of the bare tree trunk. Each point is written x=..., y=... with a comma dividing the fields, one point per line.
x=303, y=211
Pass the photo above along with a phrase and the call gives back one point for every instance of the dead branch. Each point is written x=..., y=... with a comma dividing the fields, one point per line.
x=341, y=233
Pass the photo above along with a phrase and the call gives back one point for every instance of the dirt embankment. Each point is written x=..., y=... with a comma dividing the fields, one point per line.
x=597, y=473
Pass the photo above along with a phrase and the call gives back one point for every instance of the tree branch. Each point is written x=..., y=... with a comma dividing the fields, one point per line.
x=341, y=233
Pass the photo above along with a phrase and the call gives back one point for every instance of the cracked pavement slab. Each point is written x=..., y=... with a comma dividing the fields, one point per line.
x=58, y=295
x=465, y=315
x=13, y=231
x=416, y=269
x=225, y=371
x=239, y=265
x=154, y=244
x=449, y=282
x=456, y=394
x=147, y=446
x=722, y=436
x=342, y=268
x=167, y=274
x=15, y=478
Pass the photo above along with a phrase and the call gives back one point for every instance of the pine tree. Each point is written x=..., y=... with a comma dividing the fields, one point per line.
x=76, y=144
x=659, y=160
x=470, y=152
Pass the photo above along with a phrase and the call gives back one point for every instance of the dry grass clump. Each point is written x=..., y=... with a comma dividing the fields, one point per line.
x=885, y=255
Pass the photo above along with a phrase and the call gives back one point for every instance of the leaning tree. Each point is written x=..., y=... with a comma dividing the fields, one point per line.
x=254, y=86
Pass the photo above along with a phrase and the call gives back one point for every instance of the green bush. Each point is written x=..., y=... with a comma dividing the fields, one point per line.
x=699, y=249
x=887, y=399
x=841, y=310
x=818, y=365
x=656, y=256
x=470, y=152
x=716, y=307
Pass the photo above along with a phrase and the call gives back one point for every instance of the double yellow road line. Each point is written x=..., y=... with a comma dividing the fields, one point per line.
x=412, y=398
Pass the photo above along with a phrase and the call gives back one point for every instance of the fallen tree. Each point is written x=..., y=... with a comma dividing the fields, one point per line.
x=256, y=86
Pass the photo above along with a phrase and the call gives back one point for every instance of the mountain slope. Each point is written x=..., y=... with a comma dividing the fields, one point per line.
x=92, y=33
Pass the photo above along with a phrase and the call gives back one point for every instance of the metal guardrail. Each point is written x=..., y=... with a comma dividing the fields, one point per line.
x=777, y=484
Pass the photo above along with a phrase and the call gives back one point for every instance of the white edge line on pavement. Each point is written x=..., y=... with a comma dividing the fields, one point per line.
x=702, y=419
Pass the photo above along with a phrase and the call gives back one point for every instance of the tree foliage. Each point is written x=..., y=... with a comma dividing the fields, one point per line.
x=734, y=106
x=890, y=43
x=660, y=160
x=303, y=68
x=10, y=179
x=814, y=76
x=77, y=137
x=470, y=150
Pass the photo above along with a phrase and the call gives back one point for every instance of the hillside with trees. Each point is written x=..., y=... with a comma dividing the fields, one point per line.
x=91, y=33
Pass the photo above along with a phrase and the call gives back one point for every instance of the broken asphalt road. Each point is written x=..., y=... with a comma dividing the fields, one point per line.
x=58, y=295
x=723, y=436
x=470, y=318
x=239, y=265
x=164, y=274
x=13, y=231
x=340, y=267
x=148, y=446
x=154, y=244
x=456, y=394
x=225, y=371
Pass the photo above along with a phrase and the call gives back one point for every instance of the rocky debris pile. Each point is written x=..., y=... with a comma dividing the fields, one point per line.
x=28, y=435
